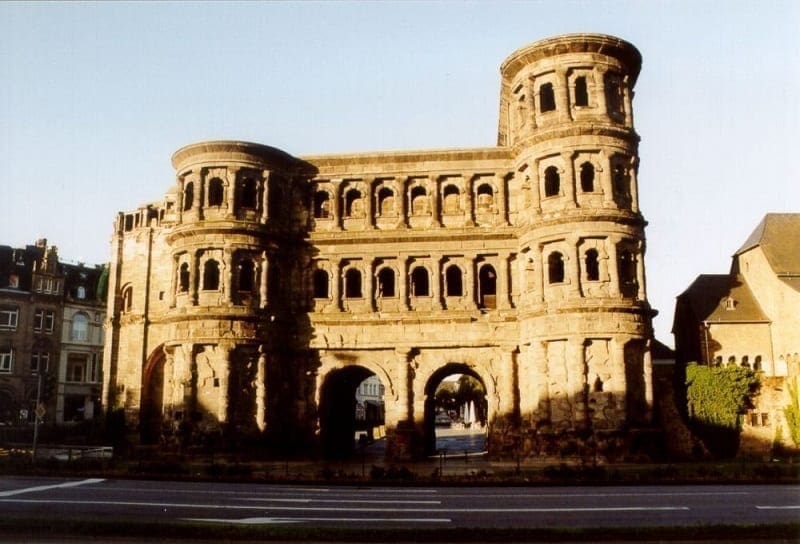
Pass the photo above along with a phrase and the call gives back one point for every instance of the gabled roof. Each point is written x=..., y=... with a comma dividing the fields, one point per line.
x=778, y=236
x=708, y=297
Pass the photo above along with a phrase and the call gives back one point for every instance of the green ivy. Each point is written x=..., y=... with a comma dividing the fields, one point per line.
x=717, y=396
x=792, y=413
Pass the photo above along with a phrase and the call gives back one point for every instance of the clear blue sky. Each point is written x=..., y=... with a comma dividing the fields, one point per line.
x=96, y=97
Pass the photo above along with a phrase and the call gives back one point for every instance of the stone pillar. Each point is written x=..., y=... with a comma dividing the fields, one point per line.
x=647, y=363
x=173, y=296
x=600, y=88
x=369, y=295
x=436, y=281
x=264, y=203
x=194, y=277
x=606, y=182
x=336, y=204
x=501, y=199
x=613, y=266
x=403, y=282
x=435, y=202
x=633, y=177
x=574, y=264
x=626, y=100
x=227, y=270
x=503, y=283
x=470, y=201
x=569, y=182
x=507, y=382
x=369, y=204
x=576, y=376
x=261, y=391
x=539, y=269
x=230, y=191
x=401, y=439
x=336, y=282
x=262, y=287
x=469, y=282
x=640, y=278
x=198, y=195
x=401, y=201
x=224, y=365
x=561, y=91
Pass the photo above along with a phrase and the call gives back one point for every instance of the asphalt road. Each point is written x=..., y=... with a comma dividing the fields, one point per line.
x=407, y=507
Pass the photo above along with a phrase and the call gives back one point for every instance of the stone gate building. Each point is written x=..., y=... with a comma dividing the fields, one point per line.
x=256, y=296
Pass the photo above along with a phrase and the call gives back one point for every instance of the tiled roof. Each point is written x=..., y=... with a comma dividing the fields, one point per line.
x=778, y=235
x=708, y=297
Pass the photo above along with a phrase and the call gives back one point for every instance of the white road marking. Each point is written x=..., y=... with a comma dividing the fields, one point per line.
x=787, y=507
x=264, y=521
x=340, y=509
x=36, y=489
x=340, y=501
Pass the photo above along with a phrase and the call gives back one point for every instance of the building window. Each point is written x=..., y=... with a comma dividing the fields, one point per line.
x=246, y=275
x=188, y=196
x=757, y=364
x=38, y=320
x=485, y=198
x=80, y=292
x=621, y=182
x=453, y=281
x=247, y=193
x=487, y=287
x=613, y=94
x=555, y=268
x=627, y=273
x=592, y=263
x=40, y=362
x=581, y=92
x=353, y=204
x=352, y=283
x=419, y=282
x=211, y=275
x=419, y=201
x=547, y=98
x=127, y=298
x=386, y=282
x=386, y=202
x=13, y=281
x=76, y=369
x=6, y=360
x=587, y=177
x=320, y=283
x=9, y=318
x=80, y=327
x=322, y=205
x=746, y=361
x=552, y=181
x=216, y=192
x=451, y=200
x=183, y=278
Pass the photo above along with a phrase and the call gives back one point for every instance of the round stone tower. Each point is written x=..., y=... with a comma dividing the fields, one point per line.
x=565, y=113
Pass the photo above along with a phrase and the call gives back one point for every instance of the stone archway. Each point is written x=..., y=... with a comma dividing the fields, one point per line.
x=151, y=412
x=337, y=410
x=429, y=423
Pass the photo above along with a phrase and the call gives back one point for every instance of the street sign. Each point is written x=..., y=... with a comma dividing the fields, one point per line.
x=40, y=410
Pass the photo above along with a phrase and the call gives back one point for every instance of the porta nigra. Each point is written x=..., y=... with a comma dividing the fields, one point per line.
x=251, y=301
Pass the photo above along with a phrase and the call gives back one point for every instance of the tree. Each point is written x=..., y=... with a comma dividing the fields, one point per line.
x=792, y=413
x=717, y=396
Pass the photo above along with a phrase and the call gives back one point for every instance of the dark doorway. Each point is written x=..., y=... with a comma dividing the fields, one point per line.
x=350, y=402
x=150, y=417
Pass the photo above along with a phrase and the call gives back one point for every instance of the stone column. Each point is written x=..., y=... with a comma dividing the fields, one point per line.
x=647, y=363
x=436, y=281
x=402, y=287
x=600, y=88
x=401, y=201
x=369, y=204
x=230, y=191
x=503, y=283
x=501, y=199
x=470, y=201
x=336, y=294
x=613, y=266
x=640, y=278
x=606, y=182
x=194, y=277
x=262, y=287
x=264, y=215
x=227, y=270
x=435, y=201
x=539, y=269
x=574, y=270
x=507, y=382
x=261, y=391
x=562, y=95
x=576, y=376
x=198, y=195
x=369, y=280
x=336, y=204
x=224, y=365
x=626, y=100
x=569, y=181
x=469, y=282
x=633, y=181
x=173, y=297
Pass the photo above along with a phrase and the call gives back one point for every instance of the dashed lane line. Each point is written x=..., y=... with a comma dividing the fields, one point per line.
x=12, y=492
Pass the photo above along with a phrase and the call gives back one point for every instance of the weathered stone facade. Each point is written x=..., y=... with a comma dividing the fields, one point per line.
x=263, y=288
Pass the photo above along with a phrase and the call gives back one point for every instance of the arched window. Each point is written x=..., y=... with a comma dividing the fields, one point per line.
x=419, y=282
x=485, y=197
x=386, y=282
x=581, y=92
x=188, y=196
x=352, y=283
x=487, y=287
x=454, y=286
x=613, y=94
x=322, y=204
x=80, y=327
x=419, y=200
x=211, y=275
x=451, y=197
x=386, y=201
x=353, y=206
x=627, y=273
x=555, y=268
x=216, y=192
x=80, y=292
x=547, y=97
x=183, y=278
x=320, y=283
x=746, y=361
x=587, y=177
x=620, y=179
x=757, y=363
x=592, y=263
x=248, y=195
x=552, y=181
x=246, y=278
x=127, y=298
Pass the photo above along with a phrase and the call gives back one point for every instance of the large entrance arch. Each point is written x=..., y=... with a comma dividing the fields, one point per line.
x=151, y=412
x=337, y=411
x=429, y=425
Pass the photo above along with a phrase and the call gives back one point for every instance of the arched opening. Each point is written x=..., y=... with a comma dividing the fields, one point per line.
x=350, y=405
x=555, y=268
x=211, y=275
x=353, y=207
x=552, y=181
x=247, y=274
x=487, y=287
x=592, y=263
x=188, y=196
x=451, y=198
x=151, y=413
x=386, y=282
x=581, y=91
x=183, y=278
x=587, y=177
x=547, y=98
x=352, y=283
x=386, y=202
x=248, y=193
x=322, y=205
x=419, y=201
x=216, y=192
x=320, y=283
x=456, y=411
x=485, y=198
x=453, y=281
x=419, y=282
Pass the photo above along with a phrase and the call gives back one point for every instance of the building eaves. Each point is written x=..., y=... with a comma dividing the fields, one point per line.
x=778, y=236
